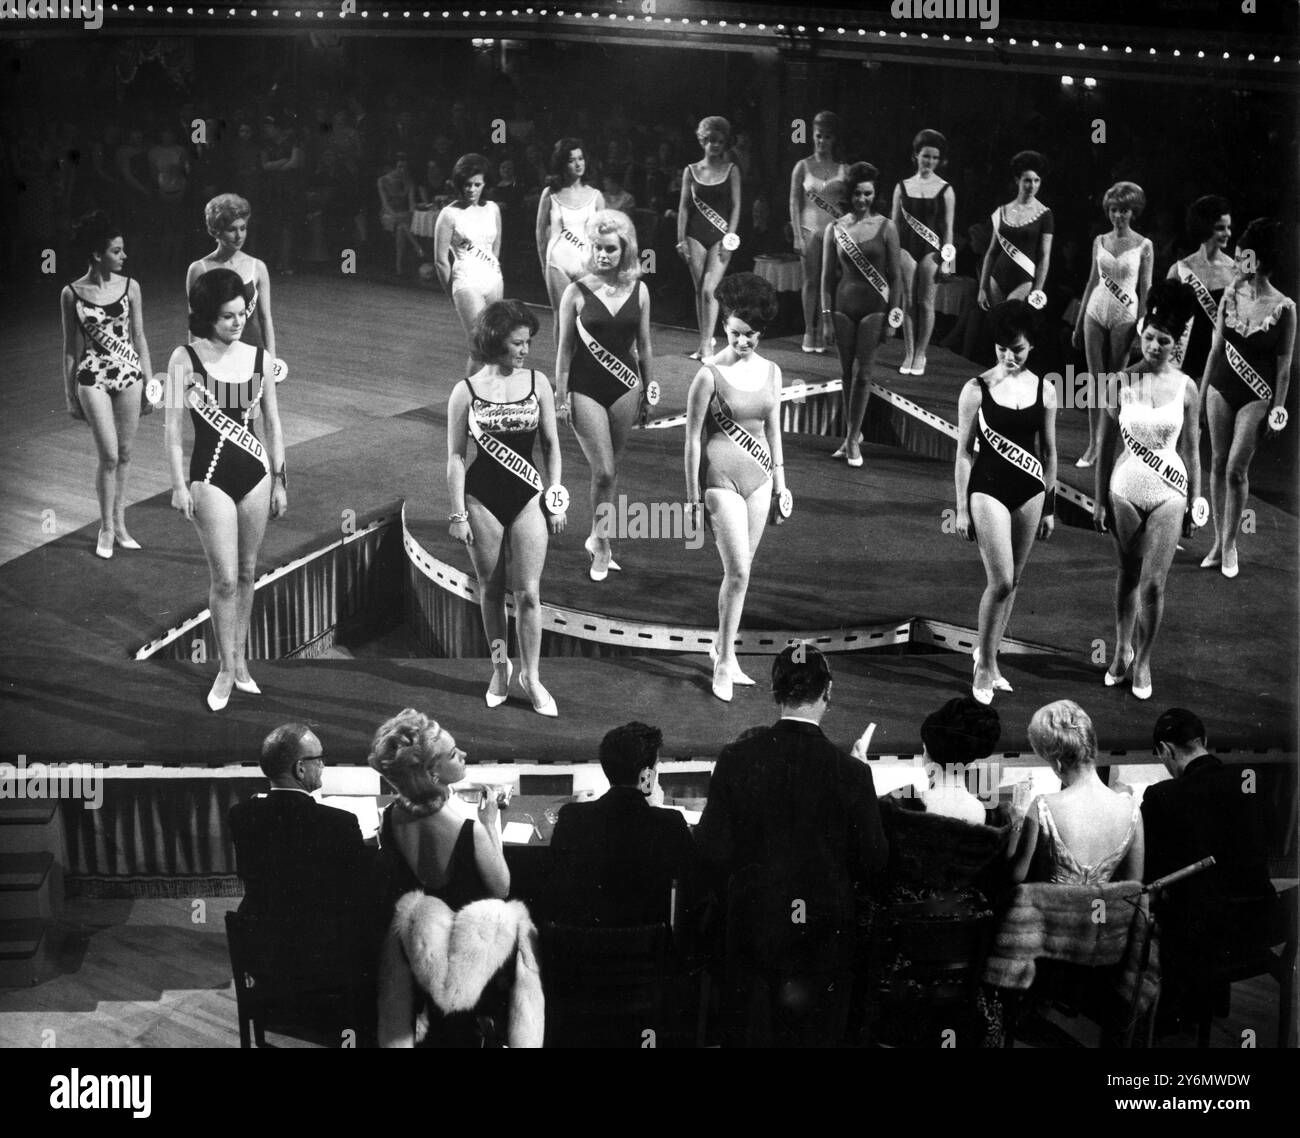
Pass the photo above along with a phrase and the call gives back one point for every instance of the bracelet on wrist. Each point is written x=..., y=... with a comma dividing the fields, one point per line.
x=1049, y=504
x=463, y=516
x=282, y=476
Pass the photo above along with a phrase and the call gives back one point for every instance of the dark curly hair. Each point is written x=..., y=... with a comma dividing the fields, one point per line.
x=94, y=233
x=210, y=293
x=467, y=165
x=559, y=156
x=1264, y=237
x=800, y=680
x=495, y=324
x=1027, y=160
x=1010, y=318
x=626, y=751
x=961, y=731
x=1202, y=215
x=747, y=297
x=1170, y=304
x=861, y=172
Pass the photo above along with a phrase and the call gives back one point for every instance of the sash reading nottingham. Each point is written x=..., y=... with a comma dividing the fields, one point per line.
x=607, y=359
x=853, y=251
x=741, y=437
x=1013, y=452
x=1249, y=376
x=1167, y=470
x=509, y=459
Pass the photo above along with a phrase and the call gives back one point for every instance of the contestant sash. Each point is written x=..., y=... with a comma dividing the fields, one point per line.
x=1117, y=291
x=853, y=251
x=1018, y=255
x=607, y=359
x=1203, y=296
x=504, y=455
x=1247, y=374
x=822, y=204
x=1168, y=472
x=741, y=437
x=468, y=249
x=1013, y=452
x=711, y=215
x=572, y=238
x=233, y=431
x=928, y=235
x=121, y=350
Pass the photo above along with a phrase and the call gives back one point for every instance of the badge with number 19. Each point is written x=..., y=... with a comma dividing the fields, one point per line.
x=1200, y=512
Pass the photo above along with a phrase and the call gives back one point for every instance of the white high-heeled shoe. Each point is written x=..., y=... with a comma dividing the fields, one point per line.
x=737, y=676
x=999, y=683
x=217, y=702
x=491, y=698
x=597, y=572
x=104, y=544
x=546, y=706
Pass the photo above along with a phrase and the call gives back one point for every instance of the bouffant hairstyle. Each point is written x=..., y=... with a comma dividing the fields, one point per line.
x=94, y=233
x=467, y=166
x=828, y=122
x=559, y=159
x=616, y=222
x=1010, y=319
x=222, y=210
x=1170, y=304
x=495, y=324
x=961, y=731
x=1062, y=733
x=713, y=124
x=210, y=293
x=626, y=751
x=800, y=674
x=1203, y=214
x=1126, y=195
x=404, y=752
x=1264, y=237
x=1028, y=160
x=747, y=297
x=929, y=137
x=862, y=172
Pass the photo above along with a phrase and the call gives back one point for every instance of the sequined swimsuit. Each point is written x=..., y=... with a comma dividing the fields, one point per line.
x=514, y=424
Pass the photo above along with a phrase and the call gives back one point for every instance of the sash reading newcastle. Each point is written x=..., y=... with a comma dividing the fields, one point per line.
x=121, y=350
x=469, y=249
x=1117, y=291
x=608, y=360
x=1018, y=255
x=232, y=431
x=1162, y=466
x=507, y=457
x=741, y=437
x=826, y=207
x=923, y=231
x=1013, y=452
x=711, y=215
x=1248, y=375
x=853, y=251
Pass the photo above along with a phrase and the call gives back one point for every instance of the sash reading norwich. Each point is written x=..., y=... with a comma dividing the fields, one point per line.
x=1013, y=452
x=853, y=251
x=741, y=437
x=119, y=349
x=607, y=359
x=1206, y=301
x=232, y=431
x=509, y=459
x=928, y=235
x=711, y=215
x=826, y=207
x=1018, y=255
x=1248, y=375
x=1170, y=473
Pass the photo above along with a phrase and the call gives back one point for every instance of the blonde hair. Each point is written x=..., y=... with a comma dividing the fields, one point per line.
x=222, y=210
x=713, y=124
x=402, y=751
x=1126, y=195
x=1062, y=733
x=615, y=221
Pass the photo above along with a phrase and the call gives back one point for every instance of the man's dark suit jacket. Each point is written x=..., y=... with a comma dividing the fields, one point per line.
x=791, y=818
x=614, y=861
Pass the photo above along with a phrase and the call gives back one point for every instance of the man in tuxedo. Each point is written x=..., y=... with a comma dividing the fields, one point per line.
x=791, y=830
x=1206, y=809
x=614, y=860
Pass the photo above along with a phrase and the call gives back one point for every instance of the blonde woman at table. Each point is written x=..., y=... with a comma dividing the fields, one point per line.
x=817, y=193
x=226, y=217
x=708, y=215
x=467, y=246
x=861, y=252
x=603, y=366
x=1016, y=263
x=566, y=206
x=736, y=399
x=923, y=209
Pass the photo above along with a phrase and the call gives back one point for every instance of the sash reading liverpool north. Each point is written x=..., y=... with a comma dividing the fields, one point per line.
x=1162, y=466
x=928, y=235
x=711, y=215
x=607, y=359
x=826, y=207
x=1013, y=452
x=853, y=251
x=232, y=431
x=504, y=455
x=741, y=437
x=1249, y=376
x=1018, y=255
x=119, y=349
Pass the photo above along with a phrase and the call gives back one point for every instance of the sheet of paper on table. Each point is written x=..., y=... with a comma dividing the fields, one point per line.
x=519, y=833
x=692, y=816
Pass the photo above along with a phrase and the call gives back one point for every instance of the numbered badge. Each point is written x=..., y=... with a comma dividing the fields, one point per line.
x=279, y=371
x=1200, y=512
x=948, y=253
x=895, y=317
x=652, y=393
x=1277, y=419
x=557, y=499
x=153, y=391
x=731, y=242
x=785, y=503
x=1038, y=299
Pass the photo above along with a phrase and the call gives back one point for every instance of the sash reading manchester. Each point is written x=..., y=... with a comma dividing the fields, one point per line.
x=1013, y=452
x=711, y=215
x=1248, y=375
x=607, y=359
x=1162, y=466
x=1018, y=255
x=923, y=231
x=1117, y=291
x=853, y=251
x=741, y=437
x=233, y=431
x=506, y=456
x=121, y=350
x=822, y=204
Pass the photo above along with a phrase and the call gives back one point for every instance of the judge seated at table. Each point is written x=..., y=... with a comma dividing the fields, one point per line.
x=615, y=859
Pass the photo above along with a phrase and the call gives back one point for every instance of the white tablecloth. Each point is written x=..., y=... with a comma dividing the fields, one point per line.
x=423, y=221
x=782, y=271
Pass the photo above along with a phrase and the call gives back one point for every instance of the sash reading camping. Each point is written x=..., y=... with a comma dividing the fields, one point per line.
x=741, y=437
x=1248, y=375
x=509, y=459
x=1018, y=255
x=822, y=204
x=1162, y=466
x=607, y=359
x=121, y=350
x=1013, y=452
x=922, y=230
x=234, y=431
x=853, y=251
x=711, y=215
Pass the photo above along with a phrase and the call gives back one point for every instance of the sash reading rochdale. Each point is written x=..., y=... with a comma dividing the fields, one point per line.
x=853, y=251
x=741, y=437
x=233, y=431
x=711, y=215
x=1117, y=291
x=510, y=460
x=121, y=350
x=1018, y=255
x=928, y=235
x=1162, y=466
x=607, y=359
x=822, y=204
x=1248, y=375
x=1013, y=452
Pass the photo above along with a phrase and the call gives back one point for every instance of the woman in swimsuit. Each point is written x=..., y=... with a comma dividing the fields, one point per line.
x=229, y=489
x=736, y=399
x=1113, y=299
x=1086, y=834
x=861, y=251
x=603, y=366
x=1245, y=382
x=467, y=245
x=923, y=210
x=497, y=510
x=565, y=208
x=817, y=192
x=100, y=382
x=1004, y=497
x=1015, y=266
x=1210, y=270
x=227, y=217
x=1148, y=473
x=708, y=215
